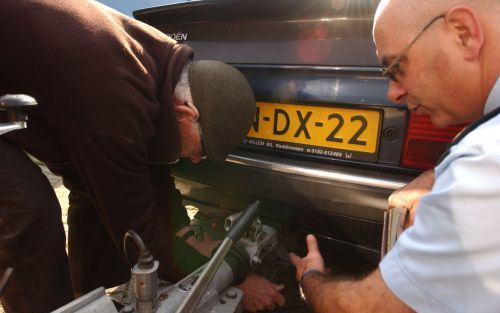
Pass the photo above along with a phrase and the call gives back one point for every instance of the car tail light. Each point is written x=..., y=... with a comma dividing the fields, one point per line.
x=424, y=142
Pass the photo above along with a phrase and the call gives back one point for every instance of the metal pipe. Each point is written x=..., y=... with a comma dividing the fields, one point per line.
x=5, y=278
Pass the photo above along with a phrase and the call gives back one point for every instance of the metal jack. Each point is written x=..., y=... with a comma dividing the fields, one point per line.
x=144, y=277
x=146, y=288
x=207, y=289
x=191, y=301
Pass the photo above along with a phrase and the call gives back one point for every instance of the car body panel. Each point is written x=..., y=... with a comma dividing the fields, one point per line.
x=308, y=53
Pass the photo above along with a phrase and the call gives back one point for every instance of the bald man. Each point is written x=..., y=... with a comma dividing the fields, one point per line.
x=441, y=58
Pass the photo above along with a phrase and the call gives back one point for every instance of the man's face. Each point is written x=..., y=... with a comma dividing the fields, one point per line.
x=427, y=75
x=191, y=140
x=190, y=131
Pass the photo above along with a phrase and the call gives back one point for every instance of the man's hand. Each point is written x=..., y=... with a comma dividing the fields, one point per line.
x=409, y=196
x=204, y=245
x=313, y=259
x=260, y=294
x=327, y=295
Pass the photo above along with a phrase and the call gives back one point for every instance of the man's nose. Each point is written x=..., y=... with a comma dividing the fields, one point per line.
x=396, y=93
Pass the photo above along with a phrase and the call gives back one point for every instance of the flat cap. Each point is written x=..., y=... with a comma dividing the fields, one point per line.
x=226, y=104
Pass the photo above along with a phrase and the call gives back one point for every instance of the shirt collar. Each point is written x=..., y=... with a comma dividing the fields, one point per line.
x=493, y=100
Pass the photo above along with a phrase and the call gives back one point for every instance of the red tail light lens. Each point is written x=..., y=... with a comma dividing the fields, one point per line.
x=424, y=142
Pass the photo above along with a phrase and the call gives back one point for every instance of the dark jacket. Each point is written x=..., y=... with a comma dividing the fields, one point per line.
x=104, y=85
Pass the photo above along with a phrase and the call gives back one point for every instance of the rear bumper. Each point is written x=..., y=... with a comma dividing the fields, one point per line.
x=346, y=210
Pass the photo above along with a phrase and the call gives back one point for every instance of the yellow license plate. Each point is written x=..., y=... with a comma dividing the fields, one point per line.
x=319, y=130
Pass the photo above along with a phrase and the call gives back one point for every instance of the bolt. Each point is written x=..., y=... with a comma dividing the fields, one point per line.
x=256, y=259
x=261, y=236
x=231, y=294
x=163, y=296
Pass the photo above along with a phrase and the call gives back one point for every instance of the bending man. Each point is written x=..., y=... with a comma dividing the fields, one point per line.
x=118, y=102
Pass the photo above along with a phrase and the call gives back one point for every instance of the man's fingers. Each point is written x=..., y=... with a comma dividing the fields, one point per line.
x=295, y=259
x=268, y=303
x=277, y=299
x=279, y=287
x=280, y=300
x=253, y=306
x=312, y=243
x=270, y=307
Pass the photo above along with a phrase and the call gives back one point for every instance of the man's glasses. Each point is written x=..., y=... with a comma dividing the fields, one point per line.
x=392, y=70
x=203, y=153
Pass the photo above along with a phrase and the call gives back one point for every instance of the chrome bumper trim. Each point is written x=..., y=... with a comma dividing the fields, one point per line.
x=312, y=67
x=5, y=128
x=322, y=174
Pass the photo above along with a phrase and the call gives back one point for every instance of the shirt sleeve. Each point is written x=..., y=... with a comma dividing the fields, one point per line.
x=449, y=260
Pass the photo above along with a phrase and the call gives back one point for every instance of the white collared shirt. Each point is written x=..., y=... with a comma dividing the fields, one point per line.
x=449, y=260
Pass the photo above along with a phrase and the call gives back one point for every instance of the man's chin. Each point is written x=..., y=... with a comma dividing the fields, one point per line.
x=436, y=119
x=440, y=121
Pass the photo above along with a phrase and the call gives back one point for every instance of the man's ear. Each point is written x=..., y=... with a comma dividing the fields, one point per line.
x=184, y=111
x=465, y=24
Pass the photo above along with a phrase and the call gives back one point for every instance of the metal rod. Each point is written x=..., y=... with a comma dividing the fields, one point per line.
x=5, y=278
x=193, y=298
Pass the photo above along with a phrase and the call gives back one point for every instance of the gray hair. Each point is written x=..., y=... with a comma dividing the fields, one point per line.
x=182, y=91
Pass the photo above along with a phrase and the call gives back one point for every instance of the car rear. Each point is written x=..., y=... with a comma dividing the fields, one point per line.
x=326, y=147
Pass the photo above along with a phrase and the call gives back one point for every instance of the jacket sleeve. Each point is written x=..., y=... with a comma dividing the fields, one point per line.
x=129, y=194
